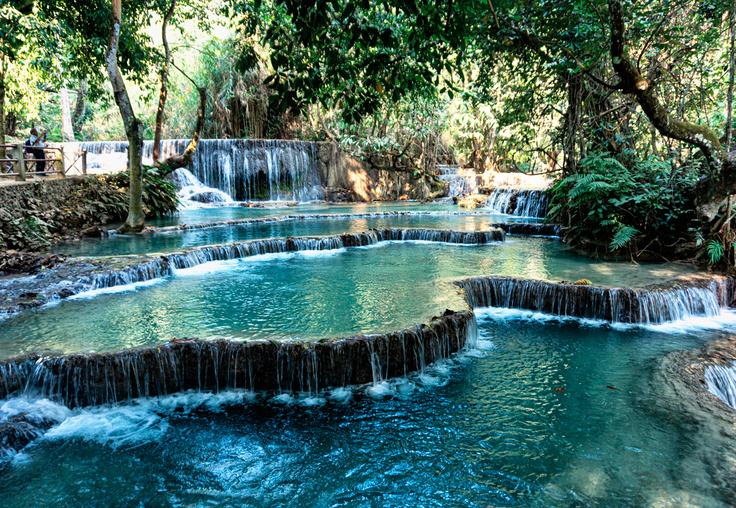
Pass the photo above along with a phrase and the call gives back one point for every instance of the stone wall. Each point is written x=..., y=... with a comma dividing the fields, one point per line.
x=35, y=214
x=346, y=178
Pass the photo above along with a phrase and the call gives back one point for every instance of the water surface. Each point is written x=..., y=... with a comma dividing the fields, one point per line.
x=555, y=415
x=307, y=295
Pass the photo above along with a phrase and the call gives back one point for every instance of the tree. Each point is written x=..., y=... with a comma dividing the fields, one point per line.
x=133, y=128
x=184, y=159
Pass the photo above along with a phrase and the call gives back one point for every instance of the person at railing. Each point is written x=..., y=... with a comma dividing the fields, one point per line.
x=35, y=146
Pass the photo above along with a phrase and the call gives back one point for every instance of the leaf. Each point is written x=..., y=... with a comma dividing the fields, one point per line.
x=623, y=237
x=714, y=248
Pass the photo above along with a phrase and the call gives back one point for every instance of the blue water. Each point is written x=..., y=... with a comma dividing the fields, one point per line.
x=306, y=295
x=177, y=240
x=540, y=413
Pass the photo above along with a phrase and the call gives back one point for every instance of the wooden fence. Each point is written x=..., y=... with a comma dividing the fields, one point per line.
x=16, y=162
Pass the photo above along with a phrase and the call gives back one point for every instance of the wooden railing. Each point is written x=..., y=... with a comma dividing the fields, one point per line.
x=16, y=163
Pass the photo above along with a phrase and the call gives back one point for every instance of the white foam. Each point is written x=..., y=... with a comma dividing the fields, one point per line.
x=380, y=390
x=114, y=426
x=508, y=314
x=92, y=293
x=36, y=410
x=320, y=253
x=341, y=395
x=726, y=320
x=206, y=268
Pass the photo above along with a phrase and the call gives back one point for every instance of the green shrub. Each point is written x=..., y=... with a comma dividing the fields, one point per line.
x=159, y=194
x=610, y=208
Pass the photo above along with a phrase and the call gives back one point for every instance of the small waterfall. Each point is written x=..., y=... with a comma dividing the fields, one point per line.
x=444, y=236
x=81, y=276
x=652, y=305
x=244, y=169
x=461, y=182
x=191, y=192
x=212, y=366
x=721, y=381
x=164, y=266
x=519, y=202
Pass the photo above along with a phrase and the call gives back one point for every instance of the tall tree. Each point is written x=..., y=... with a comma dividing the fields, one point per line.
x=164, y=92
x=133, y=128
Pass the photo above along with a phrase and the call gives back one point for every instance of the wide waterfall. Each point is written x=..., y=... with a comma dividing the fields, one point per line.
x=244, y=169
x=286, y=367
x=721, y=381
x=521, y=202
x=651, y=305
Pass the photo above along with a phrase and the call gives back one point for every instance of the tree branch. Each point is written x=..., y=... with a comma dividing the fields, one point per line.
x=633, y=83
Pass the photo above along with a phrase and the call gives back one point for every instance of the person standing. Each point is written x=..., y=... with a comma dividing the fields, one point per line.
x=34, y=146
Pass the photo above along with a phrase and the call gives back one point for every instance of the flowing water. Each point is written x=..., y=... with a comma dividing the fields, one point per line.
x=539, y=415
x=308, y=294
x=519, y=202
x=177, y=240
x=243, y=169
x=721, y=382
x=540, y=409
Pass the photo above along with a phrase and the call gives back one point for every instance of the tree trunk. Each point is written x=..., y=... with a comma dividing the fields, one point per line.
x=163, y=94
x=80, y=107
x=133, y=131
x=720, y=181
x=633, y=83
x=3, y=68
x=67, y=131
x=731, y=71
x=180, y=161
x=572, y=123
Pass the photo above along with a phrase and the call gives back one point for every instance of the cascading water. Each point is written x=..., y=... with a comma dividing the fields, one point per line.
x=212, y=366
x=244, y=169
x=191, y=192
x=521, y=202
x=721, y=381
x=652, y=305
x=461, y=182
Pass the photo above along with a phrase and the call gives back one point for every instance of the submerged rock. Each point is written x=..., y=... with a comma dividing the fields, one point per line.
x=19, y=430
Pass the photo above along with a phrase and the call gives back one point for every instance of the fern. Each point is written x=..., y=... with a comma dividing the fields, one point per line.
x=714, y=248
x=623, y=237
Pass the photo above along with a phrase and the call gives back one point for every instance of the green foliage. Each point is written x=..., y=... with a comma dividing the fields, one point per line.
x=715, y=251
x=159, y=194
x=611, y=207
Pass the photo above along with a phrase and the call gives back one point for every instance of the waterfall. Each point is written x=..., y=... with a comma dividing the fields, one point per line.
x=651, y=305
x=461, y=182
x=166, y=265
x=191, y=191
x=520, y=202
x=244, y=169
x=80, y=276
x=721, y=381
x=212, y=366
x=444, y=236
